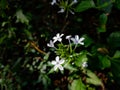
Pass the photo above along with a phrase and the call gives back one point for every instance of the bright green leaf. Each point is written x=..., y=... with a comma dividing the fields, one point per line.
x=21, y=17
x=81, y=58
x=117, y=54
x=92, y=78
x=77, y=85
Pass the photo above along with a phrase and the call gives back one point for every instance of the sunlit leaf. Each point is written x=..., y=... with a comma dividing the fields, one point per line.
x=92, y=78
x=21, y=17
x=117, y=54
x=77, y=85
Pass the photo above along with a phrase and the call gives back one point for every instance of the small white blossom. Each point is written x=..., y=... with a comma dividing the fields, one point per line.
x=61, y=10
x=58, y=63
x=58, y=37
x=84, y=64
x=68, y=37
x=78, y=40
x=51, y=44
x=75, y=1
x=53, y=2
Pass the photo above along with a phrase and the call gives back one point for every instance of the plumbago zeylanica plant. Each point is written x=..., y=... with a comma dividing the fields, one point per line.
x=65, y=6
x=70, y=57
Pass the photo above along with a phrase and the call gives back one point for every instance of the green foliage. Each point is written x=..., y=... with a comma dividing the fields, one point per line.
x=27, y=26
x=21, y=17
x=114, y=39
x=77, y=85
x=92, y=78
x=84, y=5
x=102, y=20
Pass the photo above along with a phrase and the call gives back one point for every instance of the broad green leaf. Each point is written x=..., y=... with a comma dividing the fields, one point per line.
x=117, y=54
x=3, y=4
x=81, y=58
x=21, y=17
x=92, y=78
x=88, y=41
x=114, y=39
x=101, y=28
x=115, y=67
x=117, y=4
x=84, y=5
x=105, y=5
x=104, y=61
x=69, y=67
x=77, y=85
x=103, y=19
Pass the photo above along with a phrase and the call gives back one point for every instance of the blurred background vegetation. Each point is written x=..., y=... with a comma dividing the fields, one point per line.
x=27, y=26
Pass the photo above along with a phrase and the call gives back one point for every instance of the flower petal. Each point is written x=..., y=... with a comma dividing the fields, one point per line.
x=60, y=67
x=61, y=61
x=57, y=59
x=55, y=67
x=54, y=62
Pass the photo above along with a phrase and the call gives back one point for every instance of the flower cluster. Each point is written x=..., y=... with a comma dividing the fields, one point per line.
x=65, y=53
x=64, y=5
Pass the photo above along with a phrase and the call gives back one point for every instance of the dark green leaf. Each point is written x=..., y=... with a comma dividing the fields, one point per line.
x=114, y=39
x=104, y=61
x=115, y=66
x=84, y=5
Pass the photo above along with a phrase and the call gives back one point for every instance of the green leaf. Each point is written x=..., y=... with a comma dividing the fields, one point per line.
x=3, y=4
x=88, y=41
x=105, y=5
x=104, y=61
x=103, y=19
x=21, y=17
x=114, y=39
x=77, y=85
x=115, y=68
x=117, y=4
x=81, y=58
x=69, y=67
x=85, y=5
x=117, y=54
x=93, y=79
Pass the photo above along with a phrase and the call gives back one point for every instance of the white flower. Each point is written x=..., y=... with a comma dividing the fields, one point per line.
x=58, y=63
x=53, y=2
x=75, y=1
x=51, y=44
x=58, y=37
x=84, y=64
x=61, y=10
x=68, y=37
x=78, y=40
